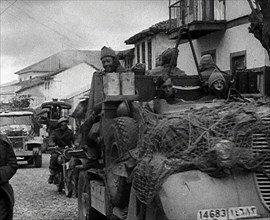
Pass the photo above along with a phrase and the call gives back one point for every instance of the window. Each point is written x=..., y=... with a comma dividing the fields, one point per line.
x=47, y=85
x=143, y=52
x=244, y=79
x=149, y=50
x=208, y=10
x=138, y=53
x=191, y=7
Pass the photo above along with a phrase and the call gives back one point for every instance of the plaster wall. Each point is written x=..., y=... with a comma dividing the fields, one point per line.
x=71, y=80
x=236, y=8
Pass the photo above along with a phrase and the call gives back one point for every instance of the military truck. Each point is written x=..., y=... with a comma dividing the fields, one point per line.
x=19, y=126
x=49, y=113
x=193, y=160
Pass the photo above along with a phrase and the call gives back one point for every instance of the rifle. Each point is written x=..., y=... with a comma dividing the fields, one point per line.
x=174, y=57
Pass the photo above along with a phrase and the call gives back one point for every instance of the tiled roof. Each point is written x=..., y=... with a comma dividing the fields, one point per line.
x=65, y=59
x=40, y=79
x=161, y=27
x=125, y=53
x=27, y=84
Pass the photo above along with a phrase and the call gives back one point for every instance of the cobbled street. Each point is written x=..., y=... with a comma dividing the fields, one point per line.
x=35, y=199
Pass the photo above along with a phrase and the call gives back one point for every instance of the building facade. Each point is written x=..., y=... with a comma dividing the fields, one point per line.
x=8, y=91
x=220, y=28
x=60, y=61
x=150, y=43
x=59, y=85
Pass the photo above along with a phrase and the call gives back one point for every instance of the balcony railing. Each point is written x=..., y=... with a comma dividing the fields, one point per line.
x=188, y=11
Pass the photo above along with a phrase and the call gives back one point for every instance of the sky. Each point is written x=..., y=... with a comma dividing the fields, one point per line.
x=34, y=30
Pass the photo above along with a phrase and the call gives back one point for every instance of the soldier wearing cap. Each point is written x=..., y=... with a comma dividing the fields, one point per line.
x=110, y=64
x=61, y=137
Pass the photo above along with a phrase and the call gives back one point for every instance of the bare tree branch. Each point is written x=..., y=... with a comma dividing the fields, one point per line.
x=260, y=22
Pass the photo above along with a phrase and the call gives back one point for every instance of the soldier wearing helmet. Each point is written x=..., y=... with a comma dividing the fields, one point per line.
x=61, y=137
x=165, y=62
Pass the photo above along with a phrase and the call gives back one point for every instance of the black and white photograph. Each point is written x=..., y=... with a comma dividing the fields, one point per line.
x=135, y=110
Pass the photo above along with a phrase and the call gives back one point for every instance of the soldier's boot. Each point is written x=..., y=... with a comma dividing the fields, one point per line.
x=51, y=177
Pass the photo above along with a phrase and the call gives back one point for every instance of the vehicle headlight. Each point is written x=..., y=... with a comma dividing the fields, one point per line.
x=3, y=132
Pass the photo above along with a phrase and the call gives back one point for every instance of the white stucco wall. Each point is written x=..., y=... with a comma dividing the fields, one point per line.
x=36, y=93
x=236, y=8
x=232, y=40
x=71, y=80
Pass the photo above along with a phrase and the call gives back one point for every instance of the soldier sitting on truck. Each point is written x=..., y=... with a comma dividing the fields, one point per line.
x=110, y=64
x=216, y=87
x=61, y=137
x=207, y=65
x=165, y=90
x=164, y=67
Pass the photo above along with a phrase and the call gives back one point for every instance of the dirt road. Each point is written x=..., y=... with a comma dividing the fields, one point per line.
x=35, y=199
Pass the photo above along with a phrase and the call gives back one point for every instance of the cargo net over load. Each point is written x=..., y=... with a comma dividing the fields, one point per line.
x=213, y=140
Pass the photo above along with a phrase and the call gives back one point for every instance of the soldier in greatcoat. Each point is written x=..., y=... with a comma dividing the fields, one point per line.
x=8, y=167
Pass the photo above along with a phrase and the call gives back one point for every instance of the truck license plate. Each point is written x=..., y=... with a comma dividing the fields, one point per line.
x=227, y=213
x=211, y=214
x=242, y=212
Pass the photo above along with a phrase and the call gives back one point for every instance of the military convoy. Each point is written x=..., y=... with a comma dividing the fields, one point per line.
x=193, y=160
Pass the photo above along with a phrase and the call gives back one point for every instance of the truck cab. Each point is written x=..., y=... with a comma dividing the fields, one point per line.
x=19, y=128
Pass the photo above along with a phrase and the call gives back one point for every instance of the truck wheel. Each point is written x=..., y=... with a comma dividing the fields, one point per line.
x=38, y=161
x=124, y=138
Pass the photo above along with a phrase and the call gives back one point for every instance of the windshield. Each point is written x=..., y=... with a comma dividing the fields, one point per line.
x=15, y=120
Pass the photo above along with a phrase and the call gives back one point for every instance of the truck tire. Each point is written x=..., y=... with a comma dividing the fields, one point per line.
x=38, y=161
x=124, y=138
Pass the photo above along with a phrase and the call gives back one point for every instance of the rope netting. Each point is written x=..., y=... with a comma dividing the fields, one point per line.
x=214, y=140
